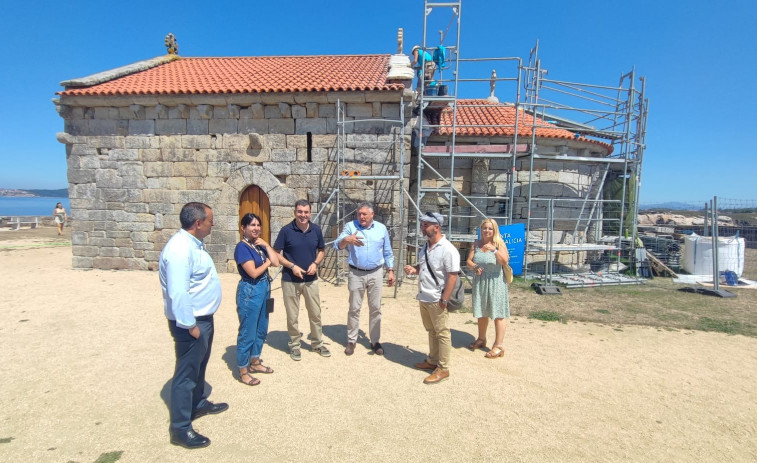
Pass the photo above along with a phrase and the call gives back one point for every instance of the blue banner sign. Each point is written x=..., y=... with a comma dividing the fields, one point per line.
x=514, y=237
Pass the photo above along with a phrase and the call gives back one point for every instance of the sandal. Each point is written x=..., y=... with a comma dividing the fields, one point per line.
x=263, y=369
x=251, y=382
x=477, y=344
x=496, y=351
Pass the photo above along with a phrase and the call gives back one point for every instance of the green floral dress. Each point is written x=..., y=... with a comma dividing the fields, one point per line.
x=490, y=296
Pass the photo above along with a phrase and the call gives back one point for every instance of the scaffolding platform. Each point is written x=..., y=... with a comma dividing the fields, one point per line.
x=594, y=279
x=578, y=247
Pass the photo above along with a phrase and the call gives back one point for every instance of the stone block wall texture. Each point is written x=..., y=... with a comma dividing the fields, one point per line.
x=134, y=162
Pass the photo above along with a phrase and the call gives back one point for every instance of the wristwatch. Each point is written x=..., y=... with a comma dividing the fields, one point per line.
x=443, y=301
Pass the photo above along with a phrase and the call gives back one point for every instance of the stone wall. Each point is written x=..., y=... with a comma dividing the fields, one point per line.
x=133, y=162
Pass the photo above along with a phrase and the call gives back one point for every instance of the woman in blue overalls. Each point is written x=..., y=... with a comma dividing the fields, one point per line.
x=253, y=256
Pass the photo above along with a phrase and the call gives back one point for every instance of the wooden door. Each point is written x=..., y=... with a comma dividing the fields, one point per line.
x=254, y=200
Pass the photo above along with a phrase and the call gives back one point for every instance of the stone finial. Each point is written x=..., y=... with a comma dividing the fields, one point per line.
x=400, y=40
x=492, y=86
x=171, y=44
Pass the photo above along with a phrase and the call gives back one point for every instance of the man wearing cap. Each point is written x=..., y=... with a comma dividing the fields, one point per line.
x=370, y=250
x=437, y=269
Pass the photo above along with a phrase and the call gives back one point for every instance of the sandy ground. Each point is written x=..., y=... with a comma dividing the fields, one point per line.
x=86, y=360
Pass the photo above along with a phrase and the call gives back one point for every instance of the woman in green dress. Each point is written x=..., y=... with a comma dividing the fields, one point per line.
x=490, y=296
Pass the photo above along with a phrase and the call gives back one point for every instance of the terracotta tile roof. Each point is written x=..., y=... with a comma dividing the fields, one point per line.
x=251, y=75
x=500, y=119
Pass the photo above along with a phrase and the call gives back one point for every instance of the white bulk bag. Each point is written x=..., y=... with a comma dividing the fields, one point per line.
x=697, y=254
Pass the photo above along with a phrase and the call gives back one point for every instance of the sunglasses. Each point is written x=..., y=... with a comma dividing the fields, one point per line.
x=432, y=217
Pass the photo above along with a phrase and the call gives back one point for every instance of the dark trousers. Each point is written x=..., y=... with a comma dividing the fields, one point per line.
x=188, y=385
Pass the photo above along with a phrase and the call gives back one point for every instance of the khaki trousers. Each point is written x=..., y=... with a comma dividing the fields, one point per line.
x=292, y=292
x=360, y=282
x=439, y=338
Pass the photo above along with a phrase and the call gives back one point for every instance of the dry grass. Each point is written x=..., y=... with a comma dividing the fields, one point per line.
x=657, y=303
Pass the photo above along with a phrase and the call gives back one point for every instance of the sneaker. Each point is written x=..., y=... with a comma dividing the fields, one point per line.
x=295, y=354
x=323, y=351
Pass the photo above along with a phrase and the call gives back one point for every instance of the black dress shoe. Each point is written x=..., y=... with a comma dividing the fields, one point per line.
x=377, y=348
x=189, y=439
x=210, y=409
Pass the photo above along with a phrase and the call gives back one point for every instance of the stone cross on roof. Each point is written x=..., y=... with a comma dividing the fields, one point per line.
x=171, y=44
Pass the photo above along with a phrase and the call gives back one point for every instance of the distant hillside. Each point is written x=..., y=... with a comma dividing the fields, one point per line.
x=62, y=193
x=672, y=206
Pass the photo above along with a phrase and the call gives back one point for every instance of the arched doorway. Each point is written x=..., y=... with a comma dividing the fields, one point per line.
x=254, y=199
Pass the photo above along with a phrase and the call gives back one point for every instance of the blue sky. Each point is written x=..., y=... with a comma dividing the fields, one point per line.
x=699, y=61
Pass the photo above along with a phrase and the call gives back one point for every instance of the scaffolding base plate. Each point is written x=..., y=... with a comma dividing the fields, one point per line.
x=546, y=289
x=708, y=291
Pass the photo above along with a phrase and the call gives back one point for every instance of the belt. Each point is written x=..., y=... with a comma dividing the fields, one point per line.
x=364, y=270
x=204, y=318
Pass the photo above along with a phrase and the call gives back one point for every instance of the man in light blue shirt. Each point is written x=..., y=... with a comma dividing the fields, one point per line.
x=370, y=250
x=191, y=295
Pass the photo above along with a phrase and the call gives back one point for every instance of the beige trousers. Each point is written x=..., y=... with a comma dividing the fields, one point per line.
x=439, y=338
x=292, y=292
x=359, y=283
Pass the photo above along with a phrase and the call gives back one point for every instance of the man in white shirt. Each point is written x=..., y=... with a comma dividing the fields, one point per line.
x=438, y=268
x=191, y=295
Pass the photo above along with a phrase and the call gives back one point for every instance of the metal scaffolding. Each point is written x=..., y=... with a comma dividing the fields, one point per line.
x=349, y=172
x=581, y=226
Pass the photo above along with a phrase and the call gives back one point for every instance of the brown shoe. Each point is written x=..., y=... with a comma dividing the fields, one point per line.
x=424, y=365
x=350, y=348
x=437, y=376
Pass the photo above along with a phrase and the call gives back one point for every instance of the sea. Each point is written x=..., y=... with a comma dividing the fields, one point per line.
x=41, y=206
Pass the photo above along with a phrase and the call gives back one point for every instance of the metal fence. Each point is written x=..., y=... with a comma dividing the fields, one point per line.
x=705, y=242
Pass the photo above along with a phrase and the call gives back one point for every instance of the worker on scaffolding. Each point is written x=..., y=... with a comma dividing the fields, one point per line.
x=423, y=60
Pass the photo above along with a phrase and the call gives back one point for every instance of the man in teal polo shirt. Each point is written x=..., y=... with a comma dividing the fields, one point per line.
x=301, y=250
